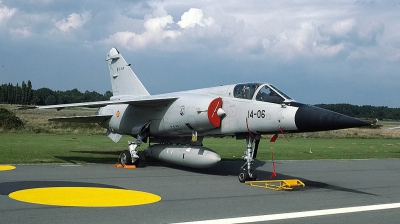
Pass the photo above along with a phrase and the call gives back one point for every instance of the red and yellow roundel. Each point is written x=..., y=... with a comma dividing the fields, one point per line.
x=212, y=112
x=118, y=113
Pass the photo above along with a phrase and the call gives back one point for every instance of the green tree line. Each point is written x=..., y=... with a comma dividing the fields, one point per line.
x=24, y=95
x=366, y=111
x=18, y=94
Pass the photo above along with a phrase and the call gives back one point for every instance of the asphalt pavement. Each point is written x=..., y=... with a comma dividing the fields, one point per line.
x=214, y=194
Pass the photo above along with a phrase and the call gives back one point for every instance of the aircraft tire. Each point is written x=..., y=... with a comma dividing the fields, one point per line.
x=125, y=158
x=243, y=176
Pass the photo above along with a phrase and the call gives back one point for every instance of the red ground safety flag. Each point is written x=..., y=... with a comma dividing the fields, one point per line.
x=273, y=167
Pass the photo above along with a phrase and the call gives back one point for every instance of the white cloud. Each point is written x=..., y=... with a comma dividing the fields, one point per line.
x=328, y=50
x=343, y=28
x=348, y=36
x=158, y=9
x=6, y=13
x=74, y=21
x=194, y=17
x=353, y=32
x=370, y=32
x=156, y=31
x=158, y=24
x=21, y=32
x=362, y=54
x=120, y=38
x=304, y=38
x=287, y=32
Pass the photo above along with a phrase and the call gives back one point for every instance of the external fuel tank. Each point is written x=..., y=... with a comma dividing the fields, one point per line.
x=184, y=155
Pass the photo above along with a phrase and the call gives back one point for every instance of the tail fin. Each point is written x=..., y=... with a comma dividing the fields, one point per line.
x=123, y=79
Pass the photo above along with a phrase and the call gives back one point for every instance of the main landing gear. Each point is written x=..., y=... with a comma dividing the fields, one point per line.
x=131, y=156
x=246, y=173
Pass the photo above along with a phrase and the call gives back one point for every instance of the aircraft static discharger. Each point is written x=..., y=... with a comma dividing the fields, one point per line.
x=175, y=123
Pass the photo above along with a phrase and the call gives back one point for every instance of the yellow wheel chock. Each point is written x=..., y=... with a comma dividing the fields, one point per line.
x=118, y=165
x=276, y=184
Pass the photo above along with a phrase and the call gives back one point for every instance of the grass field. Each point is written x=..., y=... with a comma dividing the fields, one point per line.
x=49, y=142
x=17, y=148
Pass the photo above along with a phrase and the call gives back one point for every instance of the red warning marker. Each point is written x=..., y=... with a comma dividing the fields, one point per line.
x=273, y=167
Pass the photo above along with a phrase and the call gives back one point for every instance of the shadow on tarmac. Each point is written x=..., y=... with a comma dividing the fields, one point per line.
x=232, y=168
x=224, y=168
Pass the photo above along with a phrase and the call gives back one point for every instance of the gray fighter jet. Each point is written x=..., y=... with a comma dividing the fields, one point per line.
x=175, y=123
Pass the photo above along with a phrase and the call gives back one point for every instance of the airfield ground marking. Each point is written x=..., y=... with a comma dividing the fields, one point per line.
x=84, y=196
x=6, y=167
x=293, y=215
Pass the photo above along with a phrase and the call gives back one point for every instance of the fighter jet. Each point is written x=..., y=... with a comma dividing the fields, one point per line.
x=175, y=124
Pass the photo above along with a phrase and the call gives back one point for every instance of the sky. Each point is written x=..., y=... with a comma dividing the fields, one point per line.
x=333, y=51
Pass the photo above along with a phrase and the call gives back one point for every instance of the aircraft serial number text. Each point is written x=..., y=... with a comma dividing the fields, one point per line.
x=256, y=114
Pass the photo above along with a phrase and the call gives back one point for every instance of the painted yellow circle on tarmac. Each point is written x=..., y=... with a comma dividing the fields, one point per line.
x=6, y=167
x=84, y=196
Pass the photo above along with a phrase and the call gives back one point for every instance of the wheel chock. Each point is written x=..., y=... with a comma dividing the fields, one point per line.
x=118, y=165
x=129, y=167
x=276, y=184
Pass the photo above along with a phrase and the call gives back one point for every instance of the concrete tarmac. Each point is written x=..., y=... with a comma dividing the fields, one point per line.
x=196, y=195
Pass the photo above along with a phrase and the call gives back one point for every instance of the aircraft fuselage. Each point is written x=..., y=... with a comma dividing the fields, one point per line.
x=191, y=112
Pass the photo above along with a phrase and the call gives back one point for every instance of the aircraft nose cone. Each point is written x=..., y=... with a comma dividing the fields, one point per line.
x=310, y=118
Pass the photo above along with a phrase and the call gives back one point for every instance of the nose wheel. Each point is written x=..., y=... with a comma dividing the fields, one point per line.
x=246, y=176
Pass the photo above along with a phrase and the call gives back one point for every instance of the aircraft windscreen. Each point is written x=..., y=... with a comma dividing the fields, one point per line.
x=245, y=91
x=282, y=93
x=266, y=94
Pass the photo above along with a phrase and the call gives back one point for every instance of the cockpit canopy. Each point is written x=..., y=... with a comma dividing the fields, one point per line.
x=260, y=92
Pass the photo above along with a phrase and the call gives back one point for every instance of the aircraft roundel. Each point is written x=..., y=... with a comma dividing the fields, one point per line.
x=212, y=112
x=118, y=114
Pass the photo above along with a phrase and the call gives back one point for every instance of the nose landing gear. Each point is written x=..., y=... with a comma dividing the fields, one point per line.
x=246, y=173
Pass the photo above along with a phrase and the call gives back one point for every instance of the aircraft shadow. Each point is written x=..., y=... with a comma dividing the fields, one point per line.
x=225, y=168
x=117, y=153
x=232, y=168
x=105, y=157
x=82, y=159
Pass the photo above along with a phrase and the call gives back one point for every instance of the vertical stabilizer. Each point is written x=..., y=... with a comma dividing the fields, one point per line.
x=123, y=79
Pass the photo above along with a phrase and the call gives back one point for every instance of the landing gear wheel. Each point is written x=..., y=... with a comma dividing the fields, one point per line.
x=243, y=176
x=125, y=158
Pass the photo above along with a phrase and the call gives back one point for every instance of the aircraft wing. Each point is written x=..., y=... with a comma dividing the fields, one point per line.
x=146, y=100
x=82, y=119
